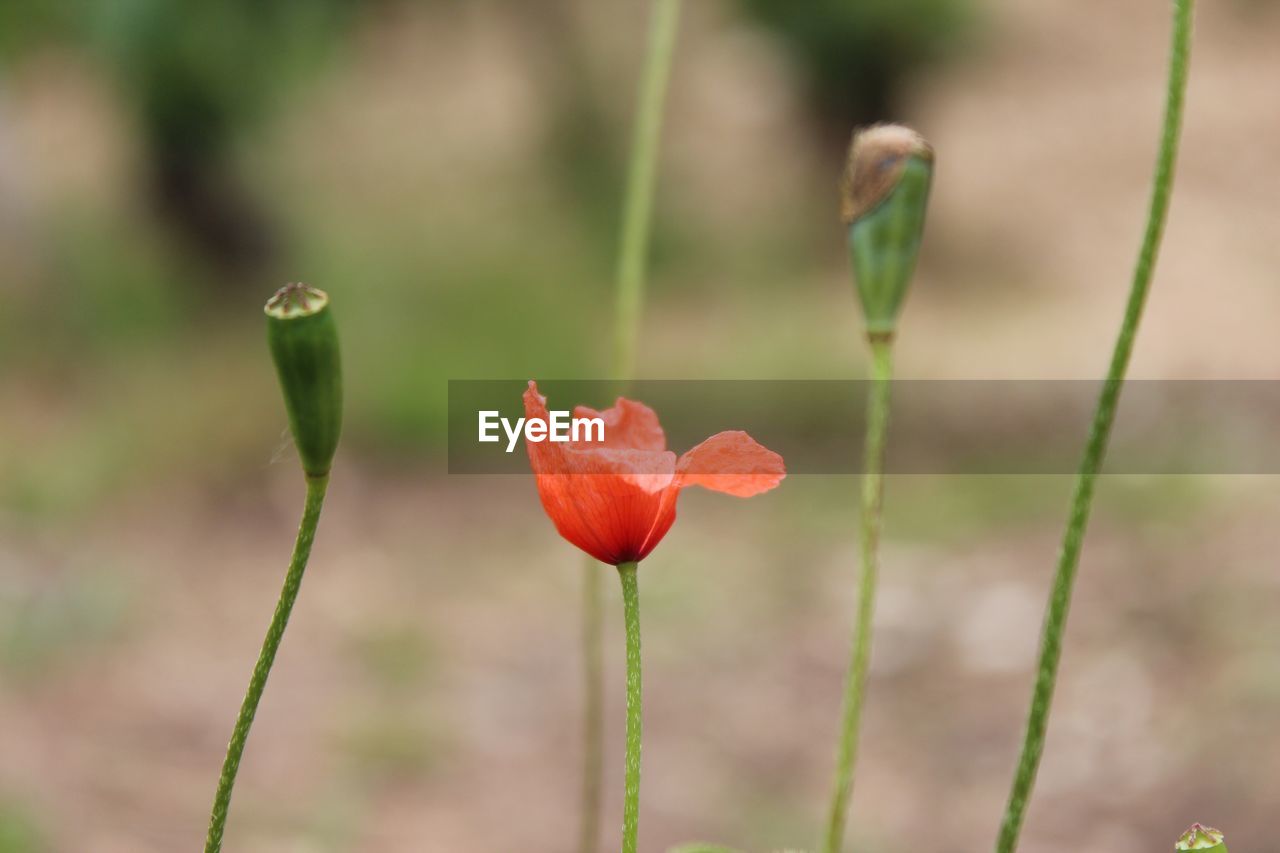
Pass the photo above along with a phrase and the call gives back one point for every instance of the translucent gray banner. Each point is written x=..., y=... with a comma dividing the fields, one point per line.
x=936, y=426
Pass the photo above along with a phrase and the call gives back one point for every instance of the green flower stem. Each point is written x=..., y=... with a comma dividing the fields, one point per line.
x=637, y=213
x=1095, y=450
x=631, y=804
x=316, y=487
x=593, y=710
x=637, y=221
x=860, y=657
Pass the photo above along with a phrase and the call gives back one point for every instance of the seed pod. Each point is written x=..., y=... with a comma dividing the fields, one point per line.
x=304, y=344
x=1201, y=838
x=884, y=196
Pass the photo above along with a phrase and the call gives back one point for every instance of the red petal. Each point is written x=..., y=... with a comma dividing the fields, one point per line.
x=733, y=463
x=544, y=455
x=608, y=502
x=627, y=424
x=665, y=518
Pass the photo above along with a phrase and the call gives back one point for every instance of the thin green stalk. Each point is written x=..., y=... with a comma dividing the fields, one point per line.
x=633, y=249
x=631, y=804
x=637, y=213
x=860, y=657
x=316, y=487
x=593, y=712
x=1099, y=433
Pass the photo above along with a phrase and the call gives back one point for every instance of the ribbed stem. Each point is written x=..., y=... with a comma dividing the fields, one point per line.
x=1055, y=621
x=593, y=710
x=316, y=487
x=860, y=655
x=631, y=803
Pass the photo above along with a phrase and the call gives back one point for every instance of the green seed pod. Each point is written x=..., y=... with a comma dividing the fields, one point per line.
x=884, y=195
x=1201, y=838
x=304, y=345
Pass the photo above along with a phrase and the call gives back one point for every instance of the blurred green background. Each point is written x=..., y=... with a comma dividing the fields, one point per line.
x=450, y=171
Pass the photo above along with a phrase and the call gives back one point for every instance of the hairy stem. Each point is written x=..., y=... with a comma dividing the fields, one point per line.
x=860, y=656
x=593, y=710
x=1055, y=621
x=631, y=804
x=316, y=487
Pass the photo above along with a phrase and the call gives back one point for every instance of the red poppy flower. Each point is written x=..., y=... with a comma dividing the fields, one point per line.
x=616, y=499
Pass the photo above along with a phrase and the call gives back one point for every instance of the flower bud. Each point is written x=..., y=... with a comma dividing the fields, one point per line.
x=1201, y=838
x=304, y=345
x=884, y=195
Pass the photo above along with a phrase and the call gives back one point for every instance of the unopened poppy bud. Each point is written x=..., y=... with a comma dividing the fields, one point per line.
x=1201, y=838
x=304, y=345
x=884, y=195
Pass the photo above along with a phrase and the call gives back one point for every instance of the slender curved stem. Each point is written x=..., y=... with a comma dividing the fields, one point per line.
x=631, y=804
x=316, y=487
x=633, y=249
x=860, y=656
x=1099, y=433
x=642, y=172
x=593, y=710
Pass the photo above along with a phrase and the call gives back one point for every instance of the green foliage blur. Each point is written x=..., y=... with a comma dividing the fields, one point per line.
x=19, y=830
x=857, y=55
x=439, y=267
x=195, y=76
x=212, y=64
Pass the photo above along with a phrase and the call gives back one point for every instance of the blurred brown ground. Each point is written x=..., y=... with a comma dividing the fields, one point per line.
x=426, y=698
